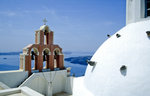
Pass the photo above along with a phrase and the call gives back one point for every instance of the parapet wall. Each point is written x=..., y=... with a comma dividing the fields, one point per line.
x=49, y=83
x=23, y=91
x=13, y=78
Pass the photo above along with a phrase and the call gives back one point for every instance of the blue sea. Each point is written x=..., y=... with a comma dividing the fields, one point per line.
x=11, y=62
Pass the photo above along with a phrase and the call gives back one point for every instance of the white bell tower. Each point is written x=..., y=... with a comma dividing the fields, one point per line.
x=137, y=10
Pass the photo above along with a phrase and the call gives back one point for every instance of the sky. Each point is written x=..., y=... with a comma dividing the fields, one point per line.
x=78, y=25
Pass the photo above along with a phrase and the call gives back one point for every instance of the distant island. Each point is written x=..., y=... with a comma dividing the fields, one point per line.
x=78, y=60
x=10, y=53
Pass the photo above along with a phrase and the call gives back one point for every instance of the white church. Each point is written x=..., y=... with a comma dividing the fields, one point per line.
x=120, y=67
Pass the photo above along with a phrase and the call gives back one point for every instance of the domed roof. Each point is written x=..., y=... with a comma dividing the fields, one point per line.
x=122, y=64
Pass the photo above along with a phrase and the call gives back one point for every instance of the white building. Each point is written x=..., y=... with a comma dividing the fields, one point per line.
x=120, y=67
x=137, y=10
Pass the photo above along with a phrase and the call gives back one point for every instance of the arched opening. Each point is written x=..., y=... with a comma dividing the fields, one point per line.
x=46, y=53
x=34, y=58
x=56, y=58
x=46, y=33
x=45, y=38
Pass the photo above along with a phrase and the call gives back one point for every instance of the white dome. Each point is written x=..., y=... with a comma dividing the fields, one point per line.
x=132, y=50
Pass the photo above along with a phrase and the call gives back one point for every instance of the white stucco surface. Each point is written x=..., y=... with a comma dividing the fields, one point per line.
x=79, y=89
x=13, y=78
x=132, y=49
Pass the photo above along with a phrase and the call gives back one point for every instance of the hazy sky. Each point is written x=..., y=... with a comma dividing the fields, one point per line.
x=78, y=25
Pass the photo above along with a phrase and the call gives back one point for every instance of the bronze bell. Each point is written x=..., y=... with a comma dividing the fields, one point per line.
x=55, y=55
x=32, y=55
x=44, y=56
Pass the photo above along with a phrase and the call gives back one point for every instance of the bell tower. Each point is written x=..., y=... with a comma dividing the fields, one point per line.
x=44, y=36
x=43, y=51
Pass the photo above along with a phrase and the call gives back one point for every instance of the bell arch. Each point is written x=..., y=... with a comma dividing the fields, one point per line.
x=46, y=58
x=57, y=54
x=46, y=31
x=57, y=51
x=34, y=58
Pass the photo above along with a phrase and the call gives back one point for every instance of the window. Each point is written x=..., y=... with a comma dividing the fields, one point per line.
x=147, y=8
x=123, y=70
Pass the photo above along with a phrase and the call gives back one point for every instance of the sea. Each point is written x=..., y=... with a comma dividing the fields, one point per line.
x=12, y=62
